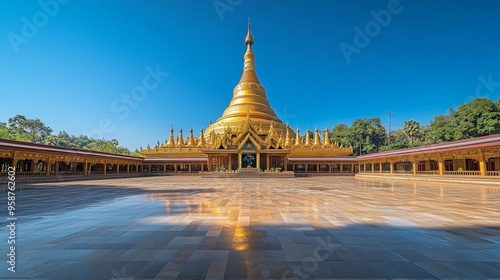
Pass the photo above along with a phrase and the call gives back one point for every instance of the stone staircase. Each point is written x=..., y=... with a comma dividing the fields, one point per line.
x=248, y=172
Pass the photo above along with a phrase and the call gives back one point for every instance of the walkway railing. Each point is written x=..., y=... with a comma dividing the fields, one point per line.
x=26, y=173
x=461, y=173
x=492, y=173
x=429, y=172
x=42, y=173
x=64, y=173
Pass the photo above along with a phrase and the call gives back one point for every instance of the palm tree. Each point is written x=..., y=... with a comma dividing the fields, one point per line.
x=411, y=129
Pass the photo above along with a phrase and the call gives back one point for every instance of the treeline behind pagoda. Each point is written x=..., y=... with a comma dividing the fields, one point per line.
x=479, y=117
x=35, y=131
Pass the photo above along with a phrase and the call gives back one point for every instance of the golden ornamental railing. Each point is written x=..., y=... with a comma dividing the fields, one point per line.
x=462, y=173
x=429, y=172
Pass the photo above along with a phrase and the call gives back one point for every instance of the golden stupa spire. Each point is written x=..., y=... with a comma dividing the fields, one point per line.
x=249, y=75
x=326, y=141
x=171, y=143
x=249, y=97
x=288, y=141
x=180, y=141
x=191, y=138
x=308, y=138
x=201, y=143
x=298, y=140
x=317, y=141
x=249, y=38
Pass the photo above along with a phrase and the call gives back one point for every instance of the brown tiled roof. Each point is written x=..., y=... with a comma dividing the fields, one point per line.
x=478, y=142
x=176, y=159
x=26, y=146
x=321, y=159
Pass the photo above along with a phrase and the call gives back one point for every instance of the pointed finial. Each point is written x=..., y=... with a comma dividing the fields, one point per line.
x=249, y=38
x=171, y=141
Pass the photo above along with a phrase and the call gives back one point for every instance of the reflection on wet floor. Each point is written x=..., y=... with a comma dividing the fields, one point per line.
x=191, y=228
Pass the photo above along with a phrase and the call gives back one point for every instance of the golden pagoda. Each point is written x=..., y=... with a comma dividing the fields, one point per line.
x=249, y=99
x=248, y=134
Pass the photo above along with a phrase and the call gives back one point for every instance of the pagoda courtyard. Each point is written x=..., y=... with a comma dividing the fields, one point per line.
x=187, y=227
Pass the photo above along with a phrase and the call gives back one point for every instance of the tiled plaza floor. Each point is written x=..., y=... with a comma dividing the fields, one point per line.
x=303, y=228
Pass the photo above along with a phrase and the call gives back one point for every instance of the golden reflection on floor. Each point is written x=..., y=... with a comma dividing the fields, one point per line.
x=189, y=227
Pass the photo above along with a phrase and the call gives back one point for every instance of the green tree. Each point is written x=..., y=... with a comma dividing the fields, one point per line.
x=357, y=134
x=340, y=134
x=377, y=134
x=440, y=130
x=5, y=133
x=111, y=146
x=31, y=130
x=399, y=141
x=81, y=141
x=412, y=130
x=368, y=135
x=136, y=153
x=63, y=139
x=479, y=117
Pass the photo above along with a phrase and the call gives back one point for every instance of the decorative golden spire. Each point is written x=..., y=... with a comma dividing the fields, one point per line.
x=298, y=140
x=317, y=142
x=191, y=138
x=249, y=75
x=201, y=143
x=308, y=138
x=249, y=98
x=280, y=141
x=171, y=143
x=326, y=141
x=271, y=131
x=180, y=141
x=249, y=38
x=288, y=141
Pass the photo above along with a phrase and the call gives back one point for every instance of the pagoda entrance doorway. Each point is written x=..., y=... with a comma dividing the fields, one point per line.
x=249, y=160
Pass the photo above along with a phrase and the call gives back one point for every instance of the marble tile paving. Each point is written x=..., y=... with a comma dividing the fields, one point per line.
x=170, y=227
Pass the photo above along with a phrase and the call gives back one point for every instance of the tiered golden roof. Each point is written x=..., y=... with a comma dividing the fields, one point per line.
x=248, y=132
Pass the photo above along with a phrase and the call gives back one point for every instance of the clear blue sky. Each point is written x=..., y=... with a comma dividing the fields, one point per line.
x=74, y=64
